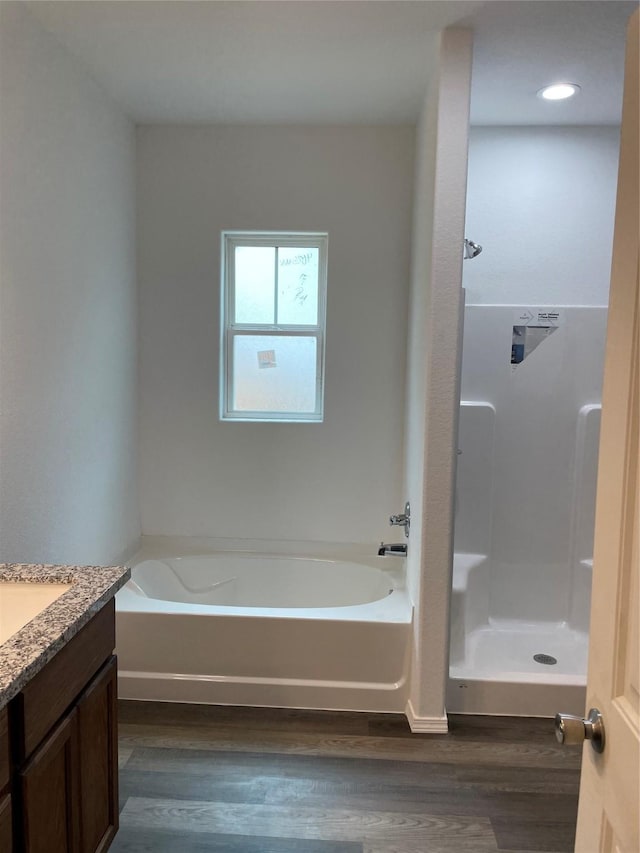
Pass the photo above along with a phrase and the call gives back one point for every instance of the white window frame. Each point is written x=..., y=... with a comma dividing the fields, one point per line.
x=230, y=329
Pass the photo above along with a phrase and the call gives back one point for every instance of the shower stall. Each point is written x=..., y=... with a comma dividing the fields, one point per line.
x=525, y=500
x=541, y=201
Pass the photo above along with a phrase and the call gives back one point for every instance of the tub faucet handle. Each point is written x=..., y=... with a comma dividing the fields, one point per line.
x=402, y=519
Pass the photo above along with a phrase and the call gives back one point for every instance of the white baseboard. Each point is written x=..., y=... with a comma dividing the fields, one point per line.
x=426, y=725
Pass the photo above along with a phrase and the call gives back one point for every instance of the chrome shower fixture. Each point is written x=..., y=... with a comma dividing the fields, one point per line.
x=403, y=519
x=471, y=249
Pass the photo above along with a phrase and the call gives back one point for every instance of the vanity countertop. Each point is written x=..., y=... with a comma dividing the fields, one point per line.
x=29, y=649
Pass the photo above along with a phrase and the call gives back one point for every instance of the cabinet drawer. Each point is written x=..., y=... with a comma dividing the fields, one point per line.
x=47, y=696
x=4, y=749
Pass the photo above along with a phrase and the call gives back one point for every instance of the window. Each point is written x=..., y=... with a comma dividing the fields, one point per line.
x=273, y=321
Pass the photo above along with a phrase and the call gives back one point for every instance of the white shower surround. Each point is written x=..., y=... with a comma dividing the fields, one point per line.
x=175, y=644
x=525, y=508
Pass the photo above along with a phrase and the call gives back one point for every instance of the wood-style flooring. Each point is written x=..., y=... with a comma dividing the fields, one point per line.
x=197, y=778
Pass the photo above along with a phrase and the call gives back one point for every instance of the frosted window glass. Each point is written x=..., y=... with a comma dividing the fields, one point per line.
x=273, y=373
x=254, y=284
x=298, y=286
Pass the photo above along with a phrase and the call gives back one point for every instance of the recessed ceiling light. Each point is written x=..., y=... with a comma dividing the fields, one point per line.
x=559, y=91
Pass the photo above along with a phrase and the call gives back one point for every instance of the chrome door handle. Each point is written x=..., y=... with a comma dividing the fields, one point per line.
x=572, y=730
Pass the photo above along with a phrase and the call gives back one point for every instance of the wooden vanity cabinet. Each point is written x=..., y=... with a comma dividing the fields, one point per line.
x=64, y=739
x=6, y=833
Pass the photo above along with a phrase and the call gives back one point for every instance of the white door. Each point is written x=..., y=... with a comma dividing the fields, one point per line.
x=608, y=814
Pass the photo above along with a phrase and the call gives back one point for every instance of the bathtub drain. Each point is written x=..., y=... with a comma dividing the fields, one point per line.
x=547, y=659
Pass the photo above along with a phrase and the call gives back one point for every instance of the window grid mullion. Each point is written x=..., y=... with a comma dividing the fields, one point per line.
x=246, y=329
x=275, y=288
x=230, y=309
x=230, y=375
x=319, y=370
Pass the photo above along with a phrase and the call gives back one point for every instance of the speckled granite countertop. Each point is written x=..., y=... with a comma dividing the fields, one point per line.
x=26, y=652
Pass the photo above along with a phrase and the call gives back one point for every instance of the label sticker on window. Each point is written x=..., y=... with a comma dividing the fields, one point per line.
x=266, y=358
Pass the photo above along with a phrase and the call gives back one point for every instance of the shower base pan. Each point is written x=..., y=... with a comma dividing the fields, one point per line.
x=500, y=674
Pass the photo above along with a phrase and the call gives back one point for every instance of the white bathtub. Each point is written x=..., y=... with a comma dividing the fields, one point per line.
x=325, y=627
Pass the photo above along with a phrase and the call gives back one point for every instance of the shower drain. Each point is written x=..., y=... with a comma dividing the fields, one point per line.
x=549, y=660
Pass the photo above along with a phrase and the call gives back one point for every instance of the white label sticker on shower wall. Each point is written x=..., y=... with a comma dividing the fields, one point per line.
x=540, y=317
x=531, y=327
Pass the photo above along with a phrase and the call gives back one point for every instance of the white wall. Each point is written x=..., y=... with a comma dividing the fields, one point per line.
x=432, y=375
x=541, y=203
x=67, y=307
x=338, y=480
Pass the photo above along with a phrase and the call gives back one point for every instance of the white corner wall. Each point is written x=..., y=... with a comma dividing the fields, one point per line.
x=335, y=481
x=433, y=370
x=67, y=307
x=541, y=202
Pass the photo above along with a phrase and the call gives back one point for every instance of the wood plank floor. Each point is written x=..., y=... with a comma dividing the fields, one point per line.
x=254, y=780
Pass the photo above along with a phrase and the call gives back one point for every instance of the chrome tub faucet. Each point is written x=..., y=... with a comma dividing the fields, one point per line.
x=396, y=549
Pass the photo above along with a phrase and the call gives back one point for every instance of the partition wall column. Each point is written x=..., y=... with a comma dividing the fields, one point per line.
x=435, y=337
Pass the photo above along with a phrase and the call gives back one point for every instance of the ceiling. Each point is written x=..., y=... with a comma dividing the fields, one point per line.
x=519, y=47
x=341, y=61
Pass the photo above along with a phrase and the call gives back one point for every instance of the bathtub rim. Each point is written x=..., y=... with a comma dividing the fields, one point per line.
x=153, y=546
x=395, y=607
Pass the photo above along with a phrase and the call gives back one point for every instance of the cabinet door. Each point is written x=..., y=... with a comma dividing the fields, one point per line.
x=6, y=842
x=49, y=786
x=98, y=760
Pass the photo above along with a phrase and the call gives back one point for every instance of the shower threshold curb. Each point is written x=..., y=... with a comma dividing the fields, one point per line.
x=499, y=698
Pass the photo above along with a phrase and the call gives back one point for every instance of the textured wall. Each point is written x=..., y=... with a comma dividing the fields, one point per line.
x=338, y=480
x=541, y=203
x=67, y=307
x=434, y=345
